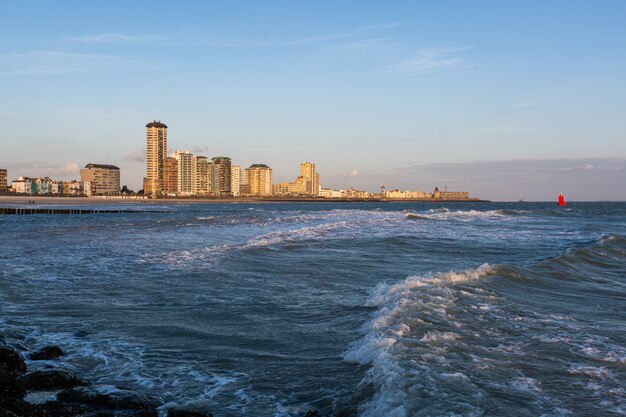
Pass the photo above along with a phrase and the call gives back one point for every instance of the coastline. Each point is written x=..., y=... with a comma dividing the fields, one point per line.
x=45, y=200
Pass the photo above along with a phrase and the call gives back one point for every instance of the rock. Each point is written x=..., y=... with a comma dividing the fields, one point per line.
x=313, y=413
x=9, y=387
x=50, y=379
x=119, y=400
x=6, y=413
x=174, y=412
x=11, y=361
x=46, y=353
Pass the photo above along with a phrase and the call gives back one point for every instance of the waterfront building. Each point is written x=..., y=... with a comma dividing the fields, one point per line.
x=156, y=151
x=203, y=187
x=450, y=195
x=3, y=181
x=170, y=176
x=236, y=175
x=330, y=193
x=310, y=178
x=408, y=194
x=307, y=183
x=105, y=179
x=221, y=175
x=187, y=183
x=77, y=188
x=56, y=187
x=259, y=179
x=22, y=185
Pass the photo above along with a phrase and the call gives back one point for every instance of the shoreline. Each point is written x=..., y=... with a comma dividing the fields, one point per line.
x=42, y=200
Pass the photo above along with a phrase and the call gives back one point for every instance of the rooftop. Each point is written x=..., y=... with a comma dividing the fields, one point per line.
x=156, y=123
x=105, y=166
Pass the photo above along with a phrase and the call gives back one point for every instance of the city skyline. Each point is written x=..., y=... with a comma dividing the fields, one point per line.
x=506, y=101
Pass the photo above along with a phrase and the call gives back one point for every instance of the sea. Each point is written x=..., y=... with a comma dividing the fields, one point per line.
x=352, y=309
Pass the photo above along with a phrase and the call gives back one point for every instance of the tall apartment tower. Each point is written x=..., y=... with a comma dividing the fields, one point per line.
x=236, y=175
x=170, y=176
x=156, y=151
x=203, y=186
x=311, y=178
x=259, y=179
x=187, y=181
x=221, y=175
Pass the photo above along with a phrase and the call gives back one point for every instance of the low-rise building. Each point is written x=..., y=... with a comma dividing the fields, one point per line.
x=104, y=178
x=408, y=194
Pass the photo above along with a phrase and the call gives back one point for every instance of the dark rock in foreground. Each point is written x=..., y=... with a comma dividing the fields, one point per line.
x=46, y=353
x=50, y=379
x=119, y=400
x=11, y=361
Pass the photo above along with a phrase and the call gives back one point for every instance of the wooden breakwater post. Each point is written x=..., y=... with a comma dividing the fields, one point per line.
x=39, y=210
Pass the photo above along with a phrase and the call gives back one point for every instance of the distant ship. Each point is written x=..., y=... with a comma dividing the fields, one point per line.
x=561, y=202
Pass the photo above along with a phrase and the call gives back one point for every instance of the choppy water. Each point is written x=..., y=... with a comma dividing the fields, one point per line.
x=375, y=309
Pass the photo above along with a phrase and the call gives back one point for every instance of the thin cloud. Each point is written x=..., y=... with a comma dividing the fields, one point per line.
x=55, y=62
x=115, y=37
x=201, y=148
x=428, y=61
x=136, y=156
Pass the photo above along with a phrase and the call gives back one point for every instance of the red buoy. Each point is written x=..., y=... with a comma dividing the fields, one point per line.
x=561, y=202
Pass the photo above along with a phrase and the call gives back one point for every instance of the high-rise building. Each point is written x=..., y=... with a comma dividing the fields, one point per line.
x=104, y=179
x=170, y=176
x=3, y=181
x=310, y=177
x=202, y=175
x=236, y=175
x=220, y=175
x=156, y=151
x=259, y=179
x=187, y=181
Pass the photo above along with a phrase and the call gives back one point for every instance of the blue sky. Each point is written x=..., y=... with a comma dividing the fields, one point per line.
x=503, y=100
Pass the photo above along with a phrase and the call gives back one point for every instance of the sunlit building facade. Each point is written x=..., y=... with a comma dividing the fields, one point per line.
x=156, y=151
x=259, y=180
x=104, y=179
x=220, y=176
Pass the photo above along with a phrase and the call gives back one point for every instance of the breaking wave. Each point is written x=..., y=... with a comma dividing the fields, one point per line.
x=457, y=343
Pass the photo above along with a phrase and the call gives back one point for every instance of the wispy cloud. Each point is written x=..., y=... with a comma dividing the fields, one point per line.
x=116, y=37
x=427, y=61
x=591, y=168
x=55, y=62
x=139, y=156
x=200, y=148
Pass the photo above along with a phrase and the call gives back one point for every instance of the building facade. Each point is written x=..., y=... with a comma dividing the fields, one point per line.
x=203, y=187
x=310, y=178
x=105, y=179
x=259, y=179
x=236, y=176
x=220, y=175
x=170, y=176
x=3, y=181
x=187, y=182
x=156, y=151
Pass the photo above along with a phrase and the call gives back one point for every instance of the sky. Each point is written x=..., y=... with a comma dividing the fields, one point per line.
x=506, y=100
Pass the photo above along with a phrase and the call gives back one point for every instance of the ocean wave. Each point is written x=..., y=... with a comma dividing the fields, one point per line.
x=417, y=344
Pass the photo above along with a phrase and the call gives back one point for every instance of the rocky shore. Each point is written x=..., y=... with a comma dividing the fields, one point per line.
x=56, y=392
